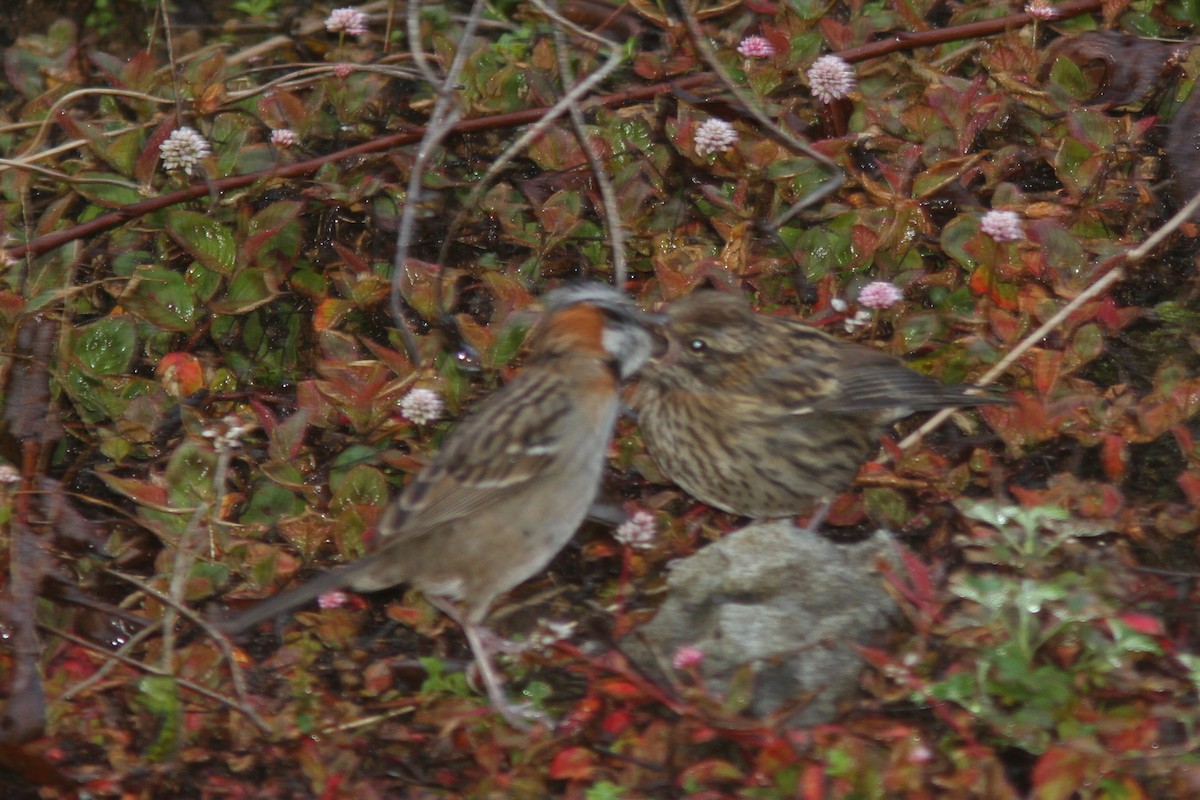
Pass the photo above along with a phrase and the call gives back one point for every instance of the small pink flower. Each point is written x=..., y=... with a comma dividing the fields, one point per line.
x=879, y=294
x=342, y=70
x=284, y=137
x=9, y=474
x=1041, y=9
x=183, y=149
x=920, y=755
x=687, y=656
x=334, y=599
x=756, y=47
x=1003, y=226
x=830, y=78
x=638, y=531
x=714, y=136
x=347, y=20
x=422, y=406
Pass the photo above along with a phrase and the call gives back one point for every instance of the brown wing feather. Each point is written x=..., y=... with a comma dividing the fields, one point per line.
x=471, y=470
x=829, y=375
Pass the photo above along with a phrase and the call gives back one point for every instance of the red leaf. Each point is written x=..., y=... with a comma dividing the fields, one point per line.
x=1189, y=482
x=1046, y=366
x=147, y=162
x=574, y=763
x=713, y=770
x=265, y=416
x=919, y=588
x=142, y=492
x=1114, y=456
x=1058, y=773
x=617, y=722
x=1184, y=437
x=266, y=225
x=1143, y=623
x=329, y=313
x=580, y=716
x=619, y=689
x=1109, y=315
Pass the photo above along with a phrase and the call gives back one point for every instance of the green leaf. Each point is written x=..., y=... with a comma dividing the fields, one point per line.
x=97, y=190
x=827, y=247
x=106, y=347
x=1088, y=343
x=122, y=152
x=190, y=474
x=955, y=236
x=1186, y=10
x=204, y=239
x=310, y=284
x=886, y=505
x=161, y=297
x=942, y=174
x=362, y=485
x=1068, y=75
x=249, y=289
x=204, y=281
x=507, y=344
x=271, y=228
x=271, y=502
x=159, y=695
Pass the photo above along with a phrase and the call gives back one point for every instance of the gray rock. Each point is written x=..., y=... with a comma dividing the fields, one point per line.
x=787, y=603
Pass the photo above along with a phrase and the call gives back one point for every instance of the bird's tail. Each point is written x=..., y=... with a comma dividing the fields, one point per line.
x=279, y=604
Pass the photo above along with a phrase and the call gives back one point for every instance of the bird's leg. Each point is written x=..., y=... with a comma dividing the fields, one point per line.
x=520, y=715
x=482, y=642
x=819, y=513
x=495, y=643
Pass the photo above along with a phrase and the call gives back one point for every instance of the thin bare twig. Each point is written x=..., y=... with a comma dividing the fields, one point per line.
x=412, y=21
x=970, y=30
x=133, y=211
x=144, y=667
x=70, y=97
x=235, y=671
x=108, y=666
x=1102, y=284
x=292, y=80
x=540, y=124
x=608, y=196
x=700, y=42
x=65, y=178
x=441, y=122
x=275, y=42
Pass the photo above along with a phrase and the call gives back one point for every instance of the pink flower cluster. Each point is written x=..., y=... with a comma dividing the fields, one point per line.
x=879, y=294
x=756, y=47
x=714, y=136
x=830, y=78
x=1003, y=226
x=346, y=20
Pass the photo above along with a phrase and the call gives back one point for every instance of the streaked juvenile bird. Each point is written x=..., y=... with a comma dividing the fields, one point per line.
x=513, y=481
x=761, y=415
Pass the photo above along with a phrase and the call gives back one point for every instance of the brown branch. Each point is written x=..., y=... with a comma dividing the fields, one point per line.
x=900, y=41
x=199, y=689
x=971, y=30
x=105, y=222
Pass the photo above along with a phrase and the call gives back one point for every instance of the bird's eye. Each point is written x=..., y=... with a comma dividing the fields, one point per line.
x=697, y=345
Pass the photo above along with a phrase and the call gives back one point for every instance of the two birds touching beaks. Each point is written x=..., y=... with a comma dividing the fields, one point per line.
x=756, y=415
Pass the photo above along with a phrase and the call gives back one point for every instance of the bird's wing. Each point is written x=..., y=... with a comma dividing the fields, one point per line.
x=511, y=441
x=821, y=374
